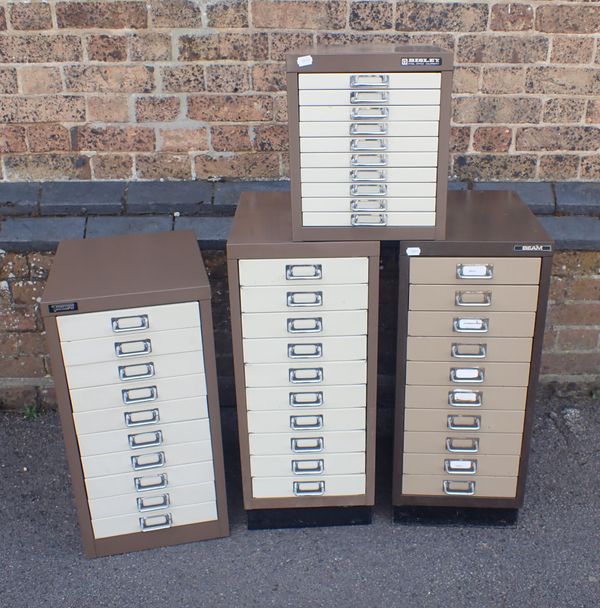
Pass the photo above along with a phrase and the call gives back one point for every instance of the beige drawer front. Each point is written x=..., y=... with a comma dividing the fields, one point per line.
x=161, y=480
x=151, y=459
x=433, y=485
x=488, y=421
x=450, y=466
x=369, y=175
x=335, y=485
x=462, y=444
x=467, y=374
x=407, y=218
x=308, y=421
x=286, y=324
x=349, y=160
x=366, y=204
x=128, y=321
x=300, y=398
x=468, y=350
x=304, y=271
x=273, y=350
x=479, y=298
x=301, y=466
x=307, y=444
x=327, y=147
x=384, y=128
x=371, y=80
x=493, y=324
x=502, y=271
x=143, y=416
x=147, y=392
x=304, y=298
x=392, y=113
x=179, y=516
x=164, y=435
x=458, y=399
x=305, y=374
x=365, y=190
x=344, y=99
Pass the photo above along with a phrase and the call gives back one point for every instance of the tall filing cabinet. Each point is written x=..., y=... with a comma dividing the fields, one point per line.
x=471, y=324
x=304, y=329
x=368, y=131
x=129, y=327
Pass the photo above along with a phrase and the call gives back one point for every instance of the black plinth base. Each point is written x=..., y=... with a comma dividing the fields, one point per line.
x=452, y=516
x=312, y=517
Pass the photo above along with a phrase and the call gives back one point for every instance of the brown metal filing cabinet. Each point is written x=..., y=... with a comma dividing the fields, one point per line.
x=471, y=324
x=304, y=328
x=129, y=327
x=369, y=142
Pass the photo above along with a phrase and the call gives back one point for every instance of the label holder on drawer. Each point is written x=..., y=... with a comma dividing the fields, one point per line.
x=123, y=324
x=295, y=401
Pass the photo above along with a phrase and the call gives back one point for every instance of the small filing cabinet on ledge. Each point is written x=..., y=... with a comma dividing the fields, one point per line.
x=470, y=330
x=368, y=132
x=129, y=328
x=304, y=330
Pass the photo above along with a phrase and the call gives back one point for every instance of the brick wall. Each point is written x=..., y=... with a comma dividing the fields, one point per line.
x=183, y=89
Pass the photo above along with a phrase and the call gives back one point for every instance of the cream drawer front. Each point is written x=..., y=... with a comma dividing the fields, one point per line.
x=305, y=374
x=149, y=482
x=147, y=392
x=462, y=444
x=435, y=464
x=354, y=205
x=130, y=348
x=128, y=321
x=474, y=298
x=470, y=398
x=433, y=485
x=468, y=350
x=166, y=434
x=150, y=459
x=371, y=80
x=146, y=522
x=336, y=485
x=369, y=129
x=299, y=398
x=489, y=421
x=150, y=368
x=350, y=99
x=366, y=190
x=280, y=325
x=470, y=374
x=265, y=444
x=493, y=324
x=140, y=417
x=301, y=466
x=307, y=421
x=331, y=113
x=326, y=148
x=342, y=348
x=450, y=271
x=407, y=218
x=351, y=160
x=300, y=298
x=304, y=271
x=369, y=175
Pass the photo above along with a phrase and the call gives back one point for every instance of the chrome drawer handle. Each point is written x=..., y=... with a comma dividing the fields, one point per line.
x=158, y=460
x=127, y=393
x=308, y=467
x=457, y=489
x=472, y=448
x=136, y=443
x=463, y=398
x=368, y=189
x=467, y=375
x=132, y=375
x=134, y=323
x=460, y=467
x=475, y=425
x=306, y=423
x=148, y=504
x=475, y=271
x=306, y=376
x=162, y=482
x=309, y=488
x=368, y=128
x=486, y=298
x=369, y=219
x=369, y=160
x=368, y=204
x=456, y=353
x=301, y=400
x=367, y=144
x=369, y=113
x=370, y=80
x=163, y=522
x=368, y=175
x=295, y=326
x=369, y=97
x=147, y=417
x=303, y=272
x=300, y=299
x=309, y=444
x=144, y=350
x=471, y=326
x=305, y=351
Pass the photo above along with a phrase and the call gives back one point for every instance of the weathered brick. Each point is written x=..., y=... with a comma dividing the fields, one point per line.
x=558, y=166
x=30, y=16
x=441, y=16
x=231, y=46
x=575, y=313
x=183, y=140
x=42, y=167
x=299, y=14
x=230, y=108
x=109, y=79
x=485, y=48
x=176, y=13
x=153, y=109
x=371, y=15
x=107, y=108
x=183, y=78
x=102, y=47
x=570, y=363
x=585, y=288
x=241, y=166
x=8, y=81
x=17, y=320
x=40, y=48
x=503, y=80
x=565, y=19
x=592, y=114
x=27, y=292
x=503, y=110
x=567, y=264
x=2, y=18
x=42, y=108
x=46, y=397
x=270, y=138
x=268, y=77
x=110, y=15
x=492, y=139
x=590, y=167
x=12, y=139
x=112, y=166
x=562, y=80
x=227, y=78
x=285, y=42
x=494, y=167
x=465, y=80
x=151, y=46
x=280, y=108
x=38, y=79
x=459, y=139
x=511, y=17
x=17, y=397
x=108, y=139
x=227, y=13
x=571, y=49
x=163, y=166
x=577, y=339
x=22, y=366
x=40, y=264
x=48, y=138
x=563, y=109
x=230, y=138
x=13, y=266
x=558, y=138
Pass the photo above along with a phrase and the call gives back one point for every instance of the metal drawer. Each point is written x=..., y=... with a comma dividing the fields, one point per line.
x=356, y=128
x=351, y=160
x=353, y=98
x=370, y=80
x=300, y=398
x=369, y=175
x=438, y=485
x=367, y=204
x=332, y=442
x=373, y=112
x=462, y=444
x=301, y=466
x=326, y=147
x=488, y=421
x=335, y=485
x=368, y=190
x=461, y=398
x=308, y=421
x=471, y=374
x=407, y=218
x=305, y=374
x=452, y=466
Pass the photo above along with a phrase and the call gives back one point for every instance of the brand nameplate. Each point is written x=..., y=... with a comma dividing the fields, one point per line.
x=420, y=61
x=532, y=248
x=63, y=307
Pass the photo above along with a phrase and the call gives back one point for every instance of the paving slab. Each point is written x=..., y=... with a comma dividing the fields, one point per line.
x=457, y=186
x=112, y=226
x=82, y=198
x=189, y=197
x=211, y=232
x=573, y=232
x=228, y=193
x=39, y=233
x=538, y=196
x=578, y=198
x=18, y=198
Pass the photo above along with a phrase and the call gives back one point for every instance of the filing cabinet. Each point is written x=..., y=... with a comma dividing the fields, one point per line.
x=129, y=327
x=471, y=323
x=368, y=132
x=304, y=330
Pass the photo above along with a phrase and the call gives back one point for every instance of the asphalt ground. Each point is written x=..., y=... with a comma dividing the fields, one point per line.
x=550, y=558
